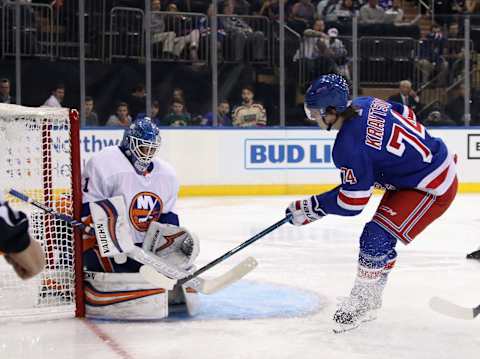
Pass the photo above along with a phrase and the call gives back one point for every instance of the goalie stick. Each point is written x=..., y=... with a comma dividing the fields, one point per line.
x=237, y=272
x=148, y=271
x=453, y=310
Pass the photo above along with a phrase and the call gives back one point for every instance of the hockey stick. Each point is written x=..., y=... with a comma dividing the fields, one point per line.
x=149, y=269
x=453, y=310
x=239, y=271
x=146, y=260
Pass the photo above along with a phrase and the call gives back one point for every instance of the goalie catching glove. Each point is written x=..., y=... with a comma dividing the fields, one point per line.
x=174, y=245
x=304, y=211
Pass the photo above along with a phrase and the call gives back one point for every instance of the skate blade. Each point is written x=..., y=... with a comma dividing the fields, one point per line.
x=342, y=328
x=368, y=317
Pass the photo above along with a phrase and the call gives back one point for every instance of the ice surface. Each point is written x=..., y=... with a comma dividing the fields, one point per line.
x=303, y=269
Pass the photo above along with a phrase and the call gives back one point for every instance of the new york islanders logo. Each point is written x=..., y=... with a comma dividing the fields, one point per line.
x=144, y=208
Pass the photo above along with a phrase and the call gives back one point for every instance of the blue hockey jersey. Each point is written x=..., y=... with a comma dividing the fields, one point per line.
x=385, y=145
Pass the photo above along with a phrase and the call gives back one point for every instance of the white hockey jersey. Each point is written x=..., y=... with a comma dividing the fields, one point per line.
x=109, y=173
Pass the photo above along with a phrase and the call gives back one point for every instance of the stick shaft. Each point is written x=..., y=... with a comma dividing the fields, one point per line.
x=64, y=217
x=235, y=250
x=206, y=267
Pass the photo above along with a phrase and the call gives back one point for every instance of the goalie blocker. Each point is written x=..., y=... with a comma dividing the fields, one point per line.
x=113, y=287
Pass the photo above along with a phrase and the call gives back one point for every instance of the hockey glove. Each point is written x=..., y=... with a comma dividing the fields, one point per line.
x=305, y=211
x=14, y=229
x=175, y=245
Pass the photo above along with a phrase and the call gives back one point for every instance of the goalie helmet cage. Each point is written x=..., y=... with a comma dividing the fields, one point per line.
x=41, y=157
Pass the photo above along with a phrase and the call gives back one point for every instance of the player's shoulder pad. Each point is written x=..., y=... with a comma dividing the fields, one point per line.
x=105, y=154
x=107, y=160
x=362, y=102
x=396, y=106
x=164, y=167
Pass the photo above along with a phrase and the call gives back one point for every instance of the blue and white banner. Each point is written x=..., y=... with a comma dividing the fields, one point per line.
x=204, y=157
x=288, y=154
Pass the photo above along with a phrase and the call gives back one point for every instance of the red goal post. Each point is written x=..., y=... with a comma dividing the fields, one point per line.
x=40, y=149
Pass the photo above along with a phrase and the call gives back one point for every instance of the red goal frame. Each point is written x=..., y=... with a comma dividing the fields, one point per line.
x=77, y=211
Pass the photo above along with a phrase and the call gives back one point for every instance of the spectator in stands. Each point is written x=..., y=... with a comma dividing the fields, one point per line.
x=472, y=7
x=302, y=15
x=435, y=118
x=242, y=35
x=455, y=52
x=137, y=100
x=91, y=117
x=431, y=57
x=178, y=115
x=454, y=31
x=318, y=56
x=327, y=10
x=56, y=98
x=372, y=13
x=240, y=7
x=407, y=96
x=205, y=31
x=223, y=115
x=121, y=116
x=344, y=11
x=385, y=4
x=178, y=94
x=395, y=15
x=270, y=9
x=186, y=33
x=455, y=108
x=315, y=40
x=155, y=113
x=339, y=52
x=249, y=113
x=159, y=35
x=5, y=96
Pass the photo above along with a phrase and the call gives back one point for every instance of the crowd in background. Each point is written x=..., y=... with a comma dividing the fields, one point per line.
x=322, y=48
x=248, y=113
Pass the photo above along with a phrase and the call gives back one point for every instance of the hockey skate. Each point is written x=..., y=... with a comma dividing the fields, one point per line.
x=360, y=306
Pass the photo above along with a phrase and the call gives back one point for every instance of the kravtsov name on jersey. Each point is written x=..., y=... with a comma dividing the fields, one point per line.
x=385, y=145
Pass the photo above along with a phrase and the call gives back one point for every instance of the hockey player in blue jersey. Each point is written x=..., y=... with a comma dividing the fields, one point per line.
x=379, y=144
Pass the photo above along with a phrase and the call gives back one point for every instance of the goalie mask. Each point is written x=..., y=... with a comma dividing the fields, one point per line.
x=140, y=143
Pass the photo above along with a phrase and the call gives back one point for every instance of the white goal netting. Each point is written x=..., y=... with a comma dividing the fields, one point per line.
x=35, y=147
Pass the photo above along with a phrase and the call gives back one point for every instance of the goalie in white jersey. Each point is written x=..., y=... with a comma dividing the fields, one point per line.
x=149, y=187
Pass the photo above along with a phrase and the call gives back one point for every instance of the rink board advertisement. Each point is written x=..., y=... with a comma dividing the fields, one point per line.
x=273, y=161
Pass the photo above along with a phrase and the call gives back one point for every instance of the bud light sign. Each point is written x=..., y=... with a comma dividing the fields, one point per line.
x=289, y=154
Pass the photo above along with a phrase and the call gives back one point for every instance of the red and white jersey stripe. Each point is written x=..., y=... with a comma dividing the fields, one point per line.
x=440, y=179
x=409, y=114
x=353, y=200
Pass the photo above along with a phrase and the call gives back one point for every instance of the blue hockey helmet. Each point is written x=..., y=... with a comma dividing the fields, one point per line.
x=328, y=91
x=140, y=143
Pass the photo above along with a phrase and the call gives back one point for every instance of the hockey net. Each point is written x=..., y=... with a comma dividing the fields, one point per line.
x=40, y=157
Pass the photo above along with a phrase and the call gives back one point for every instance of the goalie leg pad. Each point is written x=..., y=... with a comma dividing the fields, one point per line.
x=123, y=296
